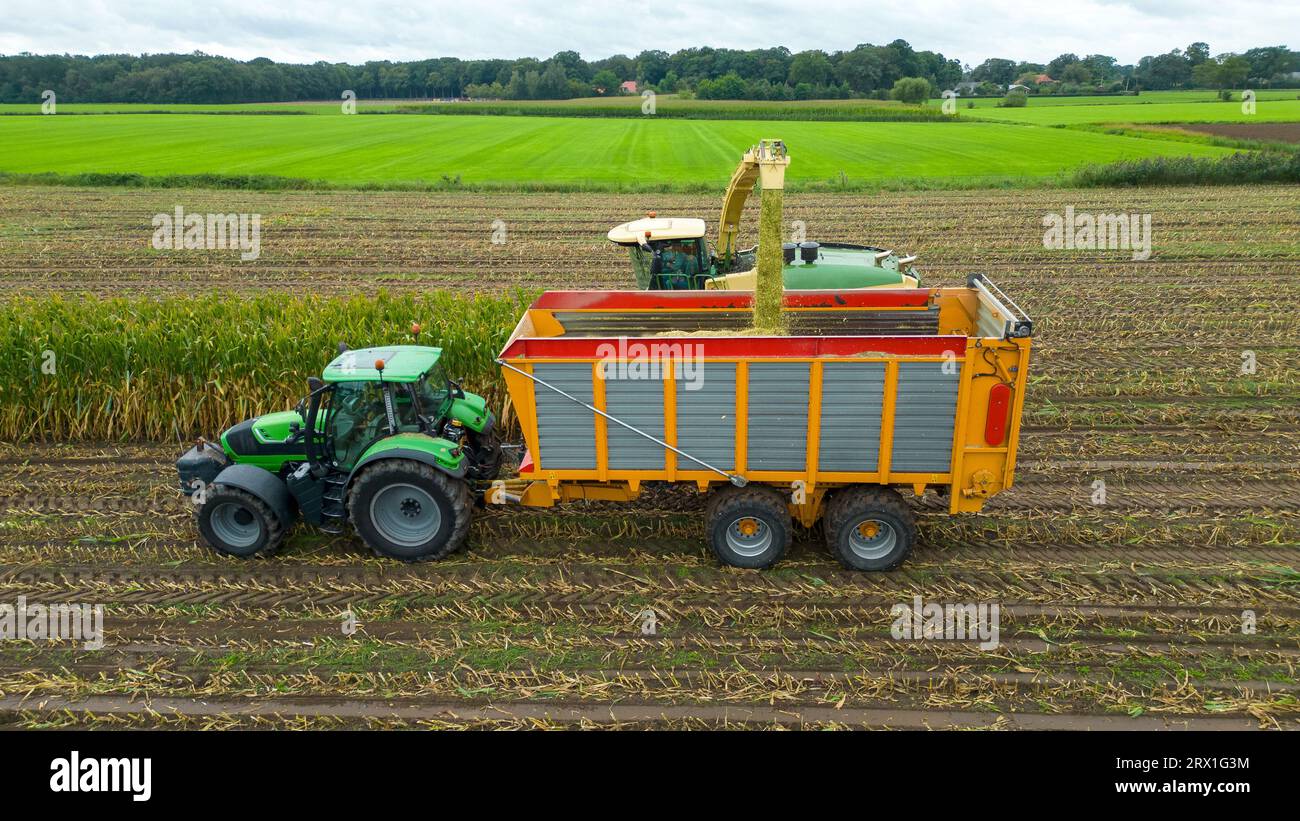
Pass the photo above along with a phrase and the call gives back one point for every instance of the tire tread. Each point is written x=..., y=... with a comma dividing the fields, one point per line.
x=728, y=501
x=455, y=491
x=275, y=530
x=851, y=501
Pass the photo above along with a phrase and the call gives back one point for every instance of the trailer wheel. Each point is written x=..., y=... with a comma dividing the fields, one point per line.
x=748, y=527
x=869, y=528
x=234, y=522
x=409, y=511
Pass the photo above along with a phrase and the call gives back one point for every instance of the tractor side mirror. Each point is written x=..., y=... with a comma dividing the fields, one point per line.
x=343, y=348
x=314, y=383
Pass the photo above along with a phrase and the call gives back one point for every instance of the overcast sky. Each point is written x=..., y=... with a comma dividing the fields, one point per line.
x=356, y=30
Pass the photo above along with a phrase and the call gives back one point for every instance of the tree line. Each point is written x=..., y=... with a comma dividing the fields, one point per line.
x=1193, y=67
x=773, y=73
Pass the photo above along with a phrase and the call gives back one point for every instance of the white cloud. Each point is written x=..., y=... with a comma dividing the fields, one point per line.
x=310, y=30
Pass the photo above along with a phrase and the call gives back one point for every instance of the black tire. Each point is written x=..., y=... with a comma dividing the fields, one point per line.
x=488, y=457
x=733, y=510
x=869, y=528
x=379, y=523
x=230, y=512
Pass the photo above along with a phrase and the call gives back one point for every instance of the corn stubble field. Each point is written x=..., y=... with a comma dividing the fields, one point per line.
x=1126, y=614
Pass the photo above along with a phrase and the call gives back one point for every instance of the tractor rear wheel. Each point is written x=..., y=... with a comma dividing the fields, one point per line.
x=748, y=526
x=236, y=523
x=409, y=511
x=869, y=528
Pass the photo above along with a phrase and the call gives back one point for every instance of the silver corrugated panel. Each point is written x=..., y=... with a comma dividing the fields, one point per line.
x=808, y=323
x=566, y=431
x=852, y=398
x=586, y=323
x=778, y=416
x=924, y=417
x=639, y=401
x=864, y=323
x=988, y=325
x=706, y=416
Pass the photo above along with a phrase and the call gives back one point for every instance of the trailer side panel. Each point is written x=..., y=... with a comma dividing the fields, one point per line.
x=852, y=397
x=924, y=415
x=564, y=428
x=706, y=415
x=778, y=416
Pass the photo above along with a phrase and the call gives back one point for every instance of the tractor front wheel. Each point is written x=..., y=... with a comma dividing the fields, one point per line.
x=237, y=523
x=409, y=511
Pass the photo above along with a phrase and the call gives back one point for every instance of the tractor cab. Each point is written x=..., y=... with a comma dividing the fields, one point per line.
x=371, y=393
x=669, y=254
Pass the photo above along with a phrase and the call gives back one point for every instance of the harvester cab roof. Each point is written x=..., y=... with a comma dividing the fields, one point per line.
x=654, y=229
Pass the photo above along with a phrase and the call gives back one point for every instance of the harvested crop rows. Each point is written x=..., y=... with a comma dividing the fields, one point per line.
x=98, y=240
x=1122, y=614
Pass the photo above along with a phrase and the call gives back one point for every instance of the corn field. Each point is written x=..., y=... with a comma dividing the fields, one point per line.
x=175, y=367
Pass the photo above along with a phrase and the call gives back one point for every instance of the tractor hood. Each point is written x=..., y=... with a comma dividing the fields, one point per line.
x=266, y=441
x=832, y=267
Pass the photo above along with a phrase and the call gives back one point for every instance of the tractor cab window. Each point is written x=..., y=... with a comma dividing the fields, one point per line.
x=680, y=267
x=357, y=419
x=405, y=407
x=641, y=266
x=434, y=393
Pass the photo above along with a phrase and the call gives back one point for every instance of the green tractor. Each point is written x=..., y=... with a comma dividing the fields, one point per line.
x=383, y=439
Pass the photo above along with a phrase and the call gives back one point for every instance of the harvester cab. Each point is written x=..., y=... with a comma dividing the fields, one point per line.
x=667, y=254
x=383, y=439
x=672, y=253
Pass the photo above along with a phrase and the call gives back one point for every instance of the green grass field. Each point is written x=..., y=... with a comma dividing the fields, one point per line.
x=1146, y=97
x=541, y=151
x=670, y=101
x=631, y=102
x=1045, y=111
x=1201, y=105
x=310, y=107
x=667, y=106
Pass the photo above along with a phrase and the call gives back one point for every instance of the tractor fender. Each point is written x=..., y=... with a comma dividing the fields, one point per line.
x=264, y=485
x=407, y=453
